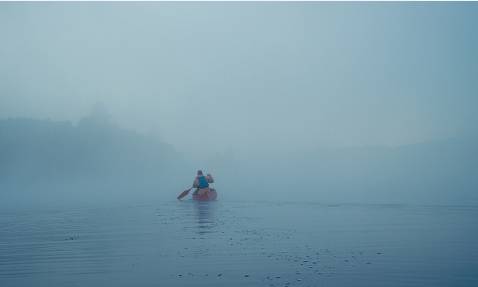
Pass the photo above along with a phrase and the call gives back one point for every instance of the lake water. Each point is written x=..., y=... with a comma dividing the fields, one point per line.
x=241, y=244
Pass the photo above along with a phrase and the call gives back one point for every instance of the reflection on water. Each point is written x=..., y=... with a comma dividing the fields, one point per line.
x=192, y=243
x=205, y=216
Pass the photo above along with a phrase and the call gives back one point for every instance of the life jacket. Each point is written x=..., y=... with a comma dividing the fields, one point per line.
x=203, y=182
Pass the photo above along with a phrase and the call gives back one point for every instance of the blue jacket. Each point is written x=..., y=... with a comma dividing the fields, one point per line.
x=202, y=182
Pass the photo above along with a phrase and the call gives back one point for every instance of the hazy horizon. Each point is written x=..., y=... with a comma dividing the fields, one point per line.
x=209, y=78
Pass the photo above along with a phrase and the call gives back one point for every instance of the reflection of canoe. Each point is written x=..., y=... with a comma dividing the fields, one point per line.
x=209, y=194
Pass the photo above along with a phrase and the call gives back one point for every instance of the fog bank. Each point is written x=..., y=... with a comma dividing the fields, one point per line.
x=329, y=102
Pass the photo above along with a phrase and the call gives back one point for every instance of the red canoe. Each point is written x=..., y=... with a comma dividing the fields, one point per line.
x=211, y=194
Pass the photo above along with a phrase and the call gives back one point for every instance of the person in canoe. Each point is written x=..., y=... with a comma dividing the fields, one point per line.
x=203, y=190
x=201, y=182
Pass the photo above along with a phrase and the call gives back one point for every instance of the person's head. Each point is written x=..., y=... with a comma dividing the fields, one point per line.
x=200, y=172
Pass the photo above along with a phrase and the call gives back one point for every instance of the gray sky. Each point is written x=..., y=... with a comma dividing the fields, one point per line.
x=247, y=76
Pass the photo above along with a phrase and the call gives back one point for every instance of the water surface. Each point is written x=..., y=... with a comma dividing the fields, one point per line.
x=241, y=244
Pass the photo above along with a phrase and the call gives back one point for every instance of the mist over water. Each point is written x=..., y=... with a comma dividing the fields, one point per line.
x=342, y=138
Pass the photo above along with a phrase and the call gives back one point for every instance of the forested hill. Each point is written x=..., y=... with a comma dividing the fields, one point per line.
x=40, y=155
x=434, y=172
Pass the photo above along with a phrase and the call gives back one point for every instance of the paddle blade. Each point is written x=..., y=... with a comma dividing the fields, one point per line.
x=183, y=194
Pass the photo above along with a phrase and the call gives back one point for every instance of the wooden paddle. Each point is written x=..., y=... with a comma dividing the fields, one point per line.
x=184, y=193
